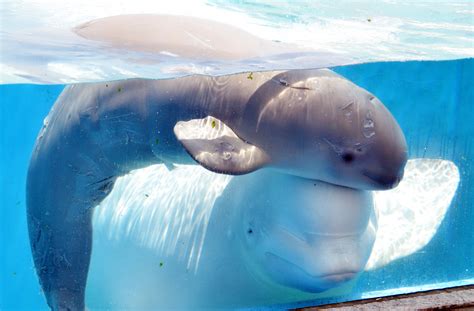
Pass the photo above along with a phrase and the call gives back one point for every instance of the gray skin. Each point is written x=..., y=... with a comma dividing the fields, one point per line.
x=309, y=123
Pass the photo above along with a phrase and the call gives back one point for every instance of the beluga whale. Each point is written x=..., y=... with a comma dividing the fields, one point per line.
x=312, y=124
x=261, y=239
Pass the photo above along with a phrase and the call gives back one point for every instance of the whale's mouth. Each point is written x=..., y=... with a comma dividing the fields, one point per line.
x=339, y=277
x=384, y=181
x=306, y=281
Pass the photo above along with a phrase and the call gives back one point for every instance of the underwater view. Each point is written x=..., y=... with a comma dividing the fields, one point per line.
x=233, y=154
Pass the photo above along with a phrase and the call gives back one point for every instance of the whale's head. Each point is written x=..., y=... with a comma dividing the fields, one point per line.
x=309, y=123
x=306, y=235
x=319, y=125
x=362, y=145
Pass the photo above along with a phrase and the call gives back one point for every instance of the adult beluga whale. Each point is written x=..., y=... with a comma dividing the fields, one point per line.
x=257, y=239
x=309, y=123
x=185, y=234
x=188, y=233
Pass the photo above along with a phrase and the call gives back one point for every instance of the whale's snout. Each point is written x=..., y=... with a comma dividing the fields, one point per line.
x=385, y=181
x=387, y=172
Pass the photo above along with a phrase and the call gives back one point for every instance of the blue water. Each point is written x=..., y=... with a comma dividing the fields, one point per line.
x=433, y=102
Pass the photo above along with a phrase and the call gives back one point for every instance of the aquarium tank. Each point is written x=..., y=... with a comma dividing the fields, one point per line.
x=233, y=154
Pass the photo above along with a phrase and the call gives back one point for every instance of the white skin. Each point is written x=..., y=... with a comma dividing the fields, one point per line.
x=307, y=235
x=97, y=132
x=320, y=235
x=184, y=36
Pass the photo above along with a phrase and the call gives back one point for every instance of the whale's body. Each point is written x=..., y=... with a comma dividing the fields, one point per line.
x=186, y=234
x=182, y=36
x=310, y=123
x=203, y=234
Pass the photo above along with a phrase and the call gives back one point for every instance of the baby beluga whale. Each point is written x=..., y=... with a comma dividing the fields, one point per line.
x=308, y=123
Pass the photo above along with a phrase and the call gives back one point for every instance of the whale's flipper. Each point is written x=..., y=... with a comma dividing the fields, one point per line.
x=216, y=147
x=409, y=215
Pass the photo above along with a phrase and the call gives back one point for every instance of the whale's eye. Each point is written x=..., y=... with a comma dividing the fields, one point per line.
x=347, y=157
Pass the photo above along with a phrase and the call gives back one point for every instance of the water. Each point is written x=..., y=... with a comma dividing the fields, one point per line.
x=37, y=45
x=431, y=100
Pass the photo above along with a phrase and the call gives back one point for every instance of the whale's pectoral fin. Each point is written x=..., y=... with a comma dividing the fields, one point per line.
x=410, y=215
x=216, y=147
